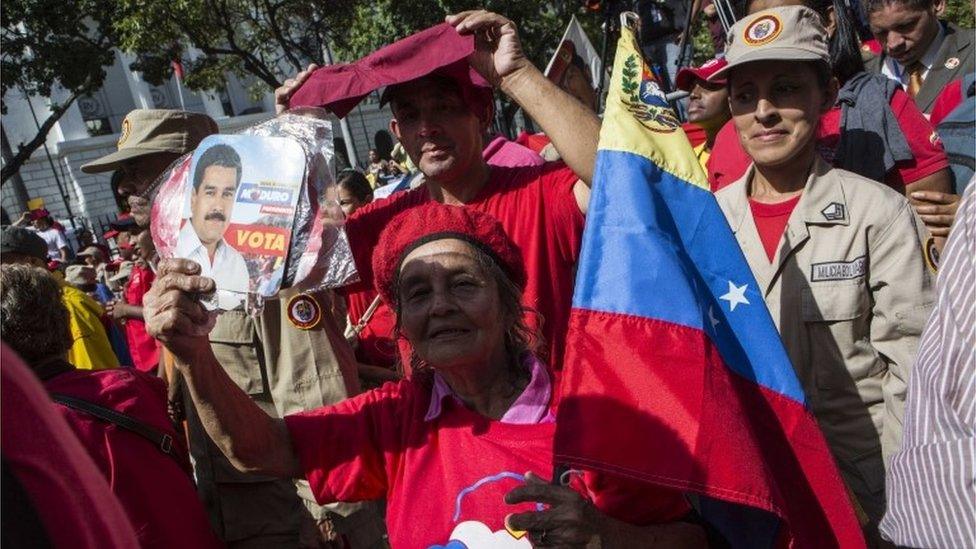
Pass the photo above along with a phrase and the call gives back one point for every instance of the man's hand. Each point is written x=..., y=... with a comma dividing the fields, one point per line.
x=937, y=210
x=172, y=311
x=115, y=309
x=498, y=49
x=283, y=93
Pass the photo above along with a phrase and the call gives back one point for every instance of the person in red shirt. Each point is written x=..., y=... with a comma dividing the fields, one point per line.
x=708, y=104
x=153, y=486
x=53, y=494
x=914, y=162
x=143, y=349
x=441, y=119
x=476, y=415
x=948, y=99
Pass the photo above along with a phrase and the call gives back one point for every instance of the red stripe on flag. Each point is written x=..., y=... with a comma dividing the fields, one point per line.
x=654, y=401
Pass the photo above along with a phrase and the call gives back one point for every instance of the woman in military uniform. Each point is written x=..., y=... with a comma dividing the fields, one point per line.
x=839, y=257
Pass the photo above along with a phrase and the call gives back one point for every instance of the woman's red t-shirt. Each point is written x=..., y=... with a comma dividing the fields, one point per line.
x=771, y=221
x=444, y=479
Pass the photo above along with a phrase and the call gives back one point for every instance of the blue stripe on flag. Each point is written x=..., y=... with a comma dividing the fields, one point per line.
x=664, y=250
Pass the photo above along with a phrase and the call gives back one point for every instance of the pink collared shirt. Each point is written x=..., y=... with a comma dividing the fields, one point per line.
x=531, y=407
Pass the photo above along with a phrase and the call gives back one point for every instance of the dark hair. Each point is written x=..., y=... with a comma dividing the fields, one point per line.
x=844, y=46
x=33, y=318
x=519, y=338
x=446, y=84
x=219, y=155
x=870, y=6
x=356, y=183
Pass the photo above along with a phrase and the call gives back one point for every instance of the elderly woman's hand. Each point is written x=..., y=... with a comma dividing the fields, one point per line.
x=172, y=311
x=570, y=520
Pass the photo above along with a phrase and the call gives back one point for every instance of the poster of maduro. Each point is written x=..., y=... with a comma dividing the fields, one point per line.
x=240, y=199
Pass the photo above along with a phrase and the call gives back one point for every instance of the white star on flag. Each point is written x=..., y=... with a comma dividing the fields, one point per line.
x=736, y=295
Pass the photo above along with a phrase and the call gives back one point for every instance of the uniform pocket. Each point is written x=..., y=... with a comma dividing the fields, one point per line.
x=233, y=342
x=833, y=302
x=865, y=476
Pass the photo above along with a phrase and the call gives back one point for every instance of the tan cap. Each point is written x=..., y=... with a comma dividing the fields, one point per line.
x=151, y=131
x=789, y=33
x=79, y=275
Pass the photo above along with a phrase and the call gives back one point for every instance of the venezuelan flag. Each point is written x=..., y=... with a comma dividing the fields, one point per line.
x=674, y=372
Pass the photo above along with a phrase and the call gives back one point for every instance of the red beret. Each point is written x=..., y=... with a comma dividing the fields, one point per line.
x=435, y=221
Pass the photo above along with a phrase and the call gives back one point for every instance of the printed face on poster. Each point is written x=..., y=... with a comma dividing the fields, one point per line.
x=239, y=210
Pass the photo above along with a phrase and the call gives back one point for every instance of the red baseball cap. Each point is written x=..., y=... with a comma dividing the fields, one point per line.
x=435, y=221
x=39, y=213
x=439, y=49
x=687, y=76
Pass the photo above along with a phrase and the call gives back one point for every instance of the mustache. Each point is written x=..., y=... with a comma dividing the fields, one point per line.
x=215, y=216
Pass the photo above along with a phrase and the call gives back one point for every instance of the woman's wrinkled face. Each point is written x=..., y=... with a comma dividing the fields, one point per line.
x=776, y=106
x=450, y=309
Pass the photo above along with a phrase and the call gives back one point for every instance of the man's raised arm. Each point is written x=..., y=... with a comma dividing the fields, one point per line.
x=572, y=127
x=253, y=441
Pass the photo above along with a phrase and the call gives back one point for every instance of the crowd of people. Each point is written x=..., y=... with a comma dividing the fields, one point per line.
x=418, y=408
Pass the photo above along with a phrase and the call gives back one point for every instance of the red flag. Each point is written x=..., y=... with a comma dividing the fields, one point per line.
x=177, y=69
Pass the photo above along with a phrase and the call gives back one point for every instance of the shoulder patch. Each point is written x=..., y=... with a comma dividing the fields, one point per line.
x=834, y=211
x=952, y=63
x=932, y=255
x=304, y=312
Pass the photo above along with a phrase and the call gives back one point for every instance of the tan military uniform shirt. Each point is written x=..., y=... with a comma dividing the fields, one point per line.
x=849, y=290
x=285, y=370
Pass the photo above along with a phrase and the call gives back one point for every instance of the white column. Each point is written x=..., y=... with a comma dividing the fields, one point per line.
x=211, y=104
x=71, y=125
x=211, y=100
x=141, y=95
x=268, y=102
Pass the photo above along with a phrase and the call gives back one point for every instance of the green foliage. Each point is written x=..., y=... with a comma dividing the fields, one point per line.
x=540, y=24
x=701, y=42
x=960, y=12
x=269, y=40
x=49, y=43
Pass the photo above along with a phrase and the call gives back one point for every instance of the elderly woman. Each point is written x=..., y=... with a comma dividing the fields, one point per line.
x=458, y=450
x=838, y=257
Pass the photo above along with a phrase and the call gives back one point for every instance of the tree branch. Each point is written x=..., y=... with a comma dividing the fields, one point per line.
x=272, y=12
x=25, y=151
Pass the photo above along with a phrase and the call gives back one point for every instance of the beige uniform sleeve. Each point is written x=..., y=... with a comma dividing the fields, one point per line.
x=903, y=296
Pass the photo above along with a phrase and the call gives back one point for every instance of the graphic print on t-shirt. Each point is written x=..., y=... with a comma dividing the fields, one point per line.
x=474, y=534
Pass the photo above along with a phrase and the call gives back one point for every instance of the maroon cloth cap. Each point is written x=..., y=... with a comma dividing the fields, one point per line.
x=685, y=80
x=340, y=87
x=435, y=221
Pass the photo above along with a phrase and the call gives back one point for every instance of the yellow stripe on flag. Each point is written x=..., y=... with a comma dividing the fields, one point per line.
x=639, y=120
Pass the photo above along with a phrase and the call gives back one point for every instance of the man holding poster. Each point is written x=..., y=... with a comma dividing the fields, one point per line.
x=215, y=181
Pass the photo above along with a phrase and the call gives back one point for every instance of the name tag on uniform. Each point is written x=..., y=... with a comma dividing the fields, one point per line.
x=838, y=270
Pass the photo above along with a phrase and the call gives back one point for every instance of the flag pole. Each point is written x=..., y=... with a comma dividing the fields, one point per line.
x=179, y=89
x=608, y=21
